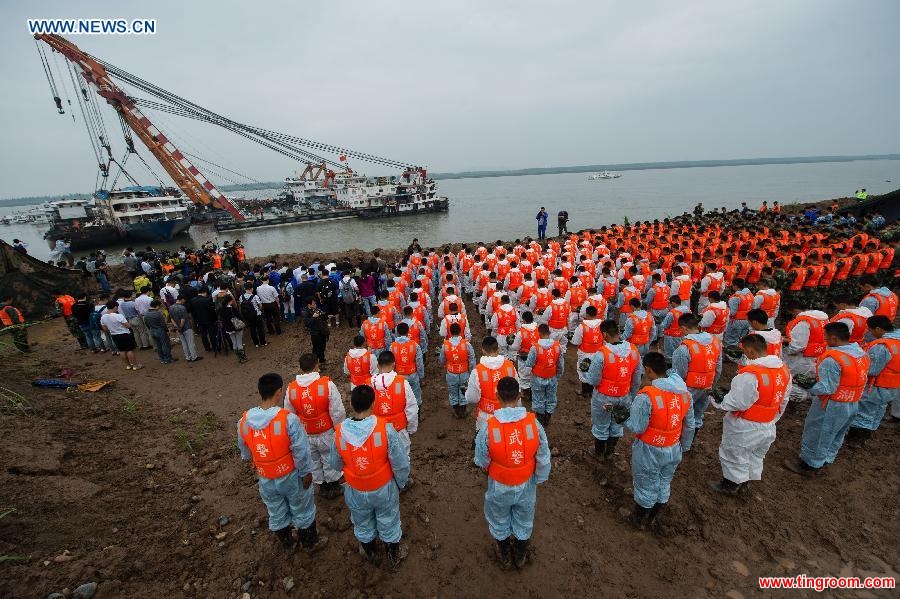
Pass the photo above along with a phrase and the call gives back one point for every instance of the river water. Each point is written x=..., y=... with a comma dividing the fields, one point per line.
x=504, y=207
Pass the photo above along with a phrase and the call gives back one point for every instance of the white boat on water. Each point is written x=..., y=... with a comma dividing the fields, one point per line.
x=604, y=175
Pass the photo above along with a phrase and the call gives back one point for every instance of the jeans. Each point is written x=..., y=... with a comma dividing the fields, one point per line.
x=161, y=341
x=542, y=231
x=257, y=330
x=92, y=336
x=368, y=303
x=103, y=280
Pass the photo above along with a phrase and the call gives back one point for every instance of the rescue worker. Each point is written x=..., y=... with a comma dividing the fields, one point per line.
x=714, y=318
x=880, y=301
x=627, y=293
x=661, y=419
x=756, y=401
x=526, y=337
x=512, y=448
x=410, y=361
x=360, y=364
x=697, y=362
x=275, y=441
x=671, y=329
x=482, y=386
x=64, y=303
x=640, y=328
x=759, y=325
x=316, y=401
x=884, y=376
x=740, y=302
x=10, y=316
x=556, y=316
x=806, y=342
x=458, y=356
x=376, y=331
x=854, y=317
x=588, y=339
x=767, y=300
x=547, y=363
x=375, y=463
x=658, y=298
x=455, y=316
x=504, y=324
x=615, y=374
x=394, y=399
x=841, y=379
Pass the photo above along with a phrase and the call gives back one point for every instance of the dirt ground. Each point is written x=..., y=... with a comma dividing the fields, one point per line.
x=127, y=488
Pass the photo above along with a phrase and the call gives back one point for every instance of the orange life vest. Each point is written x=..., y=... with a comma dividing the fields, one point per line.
x=529, y=338
x=456, y=357
x=667, y=412
x=516, y=278
x=360, y=369
x=456, y=318
x=615, y=378
x=367, y=467
x=591, y=339
x=374, y=333
x=577, y=295
x=216, y=261
x=311, y=405
x=559, y=316
x=661, y=294
x=270, y=447
x=640, y=328
x=487, y=383
x=546, y=359
x=770, y=303
x=860, y=326
x=675, y=329
x=702, y=364
x=854, y=374
x=745, y=304
x=887, y=306
x=889, y=377
x=684, y=287
x=512, y=447
x=799, y=278
x=627, y=296
x=721, y=320
x=390, y=403
x=405, y=355
x=816, y=344
x=771, y=384
x=65, y=303
x=506, y=321
x=10, y=315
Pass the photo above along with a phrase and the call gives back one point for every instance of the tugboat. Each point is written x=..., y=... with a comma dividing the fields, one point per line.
x=82, y=222
x=146, y=213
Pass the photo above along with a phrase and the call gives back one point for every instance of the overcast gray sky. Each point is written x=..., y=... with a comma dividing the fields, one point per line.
x=478, y=85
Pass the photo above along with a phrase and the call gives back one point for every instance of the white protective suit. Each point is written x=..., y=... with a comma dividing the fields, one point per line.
x=320, y=445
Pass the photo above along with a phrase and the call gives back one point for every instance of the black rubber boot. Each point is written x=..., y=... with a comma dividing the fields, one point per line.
x=798, y=466
x=505, y=548
x=610, y=447
x=655, y=511
x=371, y=552
x=520, y=552
x=287, y=539
x=856, y=437
x=546, y=421
x=724, y=486
x=396, y=553
x=638, y=516
x=586, y=390
x=599, y=448
x=310, y=539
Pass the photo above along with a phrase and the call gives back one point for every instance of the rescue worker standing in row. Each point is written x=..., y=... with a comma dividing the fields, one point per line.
x=660, y=417
x=316, y=401
x=513, y=450
x=395, y=401
x=754, y=404
x=375, y=464
x=275, y=441
x=640, y=328
x=458, y=356
x=410, y=361
x=546, y=360
x=884, y=377
x=698, y=362
x=588, y=338
x=841, y=374
x=482, y=387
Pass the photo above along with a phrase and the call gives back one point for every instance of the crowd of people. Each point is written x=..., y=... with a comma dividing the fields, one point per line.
x=653, y=310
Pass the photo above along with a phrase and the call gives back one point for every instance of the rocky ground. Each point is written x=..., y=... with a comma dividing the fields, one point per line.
x=139, y=489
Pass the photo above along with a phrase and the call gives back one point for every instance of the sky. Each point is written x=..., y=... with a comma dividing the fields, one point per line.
x=474, y=85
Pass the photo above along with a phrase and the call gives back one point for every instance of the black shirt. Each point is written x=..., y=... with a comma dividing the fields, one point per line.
x=202, y=309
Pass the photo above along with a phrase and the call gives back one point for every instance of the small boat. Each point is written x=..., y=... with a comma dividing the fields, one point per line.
x=604, y=175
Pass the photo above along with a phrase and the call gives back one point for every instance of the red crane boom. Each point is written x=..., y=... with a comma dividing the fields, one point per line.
x=185, y=175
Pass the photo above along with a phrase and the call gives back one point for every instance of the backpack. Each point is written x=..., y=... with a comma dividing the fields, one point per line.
x=328, y=289
x=248, y=310
x=94, y=320
x=347, y=292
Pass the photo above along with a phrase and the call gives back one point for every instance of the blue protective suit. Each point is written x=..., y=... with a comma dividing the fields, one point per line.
x=374, y=513
x=875, y=400
x=652, y=468
x=735, y=329
x=602, y=425
x=826, y=426
x=415, y=379
x=543, y=391
x=456, y=383
x=286, y=500
x=680, y=362
x=670, y=343
x=509, y=510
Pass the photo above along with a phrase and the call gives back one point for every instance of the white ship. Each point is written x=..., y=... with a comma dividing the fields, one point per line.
x=604, y=175
x=146, y=213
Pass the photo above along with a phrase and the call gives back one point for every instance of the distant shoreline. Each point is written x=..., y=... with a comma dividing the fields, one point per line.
x=550, y=170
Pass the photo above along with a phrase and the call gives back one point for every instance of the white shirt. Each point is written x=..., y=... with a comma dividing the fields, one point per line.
x=115, y=323
x=142, y=303
x=267, y=294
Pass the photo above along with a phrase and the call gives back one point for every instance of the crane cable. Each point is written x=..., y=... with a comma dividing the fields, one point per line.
x=49, y=75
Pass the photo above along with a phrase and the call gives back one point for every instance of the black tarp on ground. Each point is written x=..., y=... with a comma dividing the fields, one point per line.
x=887, y=204
x=32, y=283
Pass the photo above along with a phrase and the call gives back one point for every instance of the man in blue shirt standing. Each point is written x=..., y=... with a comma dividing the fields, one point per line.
x=542, y=223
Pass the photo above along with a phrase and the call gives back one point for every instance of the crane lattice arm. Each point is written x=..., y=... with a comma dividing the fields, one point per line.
x=185, y=175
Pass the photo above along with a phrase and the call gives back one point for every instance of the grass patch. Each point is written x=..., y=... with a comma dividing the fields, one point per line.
x=4, y=512
x=14, y=403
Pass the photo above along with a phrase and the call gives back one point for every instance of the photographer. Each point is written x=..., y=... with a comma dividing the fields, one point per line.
x=315, y=322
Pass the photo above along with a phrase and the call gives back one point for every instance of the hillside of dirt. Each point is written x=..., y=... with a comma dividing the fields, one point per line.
x=139, y=488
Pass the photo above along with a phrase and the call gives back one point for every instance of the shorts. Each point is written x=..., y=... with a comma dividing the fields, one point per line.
x=124, y=341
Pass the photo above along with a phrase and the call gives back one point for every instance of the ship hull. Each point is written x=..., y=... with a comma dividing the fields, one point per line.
x=85, y=238
x=159, y=230
x=436, y=205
